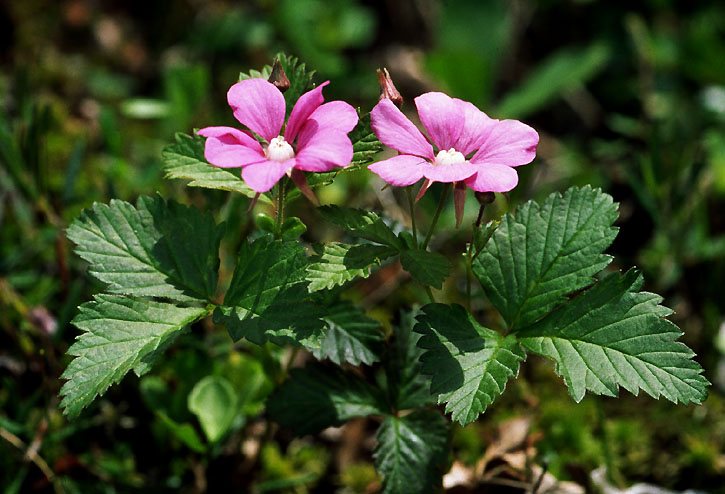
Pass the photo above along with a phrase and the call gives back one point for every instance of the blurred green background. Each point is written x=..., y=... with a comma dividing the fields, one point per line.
x=627, y=96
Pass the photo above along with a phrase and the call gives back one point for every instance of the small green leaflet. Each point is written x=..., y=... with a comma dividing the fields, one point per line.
x=214, y=402
x=299, y=77
x=185, y=159
x=543, y=253
x=120, y=333
x=363, y=224
x=158, y=248
x=318, y=397
x=268, y=297
x=611, y=336
x=412, y=452
x=407, y=387
x=429, y=268
x=337, y=263
x=350, y=336
x=470, y=364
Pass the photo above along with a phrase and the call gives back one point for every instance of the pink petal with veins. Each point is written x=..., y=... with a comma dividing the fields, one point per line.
x=476, y=128
x=258, y=105
x=509, y=142
x=227, y=147
x=305, y=106
x=442, y=116
x=262, y=176
x=400, y=171
x=323, y=151
x=449, y=173
x=493, y=178
x=335, y=115
x=397, y=132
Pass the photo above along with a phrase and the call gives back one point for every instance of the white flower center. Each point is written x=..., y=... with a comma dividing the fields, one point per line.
x=450, y=157
x=279, y=150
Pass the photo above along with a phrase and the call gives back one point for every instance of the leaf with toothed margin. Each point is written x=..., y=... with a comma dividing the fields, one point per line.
x=185, y=159
x=120, y=333
x=268, y=297
x=158, y=248
x=412, y=452
x=542, y=253
x=613, y=335
x=336, y=263
x=470, y=364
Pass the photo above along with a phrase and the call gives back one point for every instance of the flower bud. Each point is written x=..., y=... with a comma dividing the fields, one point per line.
x=278, y=77
x=387, y=88
x=484, y=198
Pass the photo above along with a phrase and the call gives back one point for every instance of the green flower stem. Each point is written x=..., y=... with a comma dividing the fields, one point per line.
x=411, y=204
x=437, y=214
x=281, y=196
x=430, y=294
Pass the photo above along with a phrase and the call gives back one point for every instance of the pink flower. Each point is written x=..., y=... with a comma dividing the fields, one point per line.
x=473, y=149
x=315, y=138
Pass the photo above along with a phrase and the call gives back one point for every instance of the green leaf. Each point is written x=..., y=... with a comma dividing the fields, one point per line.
x=363, y=224
x=268, y=298
x=350, y=336
x=317, y=397
x=407, y=387
x=611, y=336
x=185, y=159
x=562, y=72
x=119, y=334
x=470, y=364
x=543, y=253
x=412, y=452
x=365, y=144
x=292, y=228
x=299, y=77
x=214, y=402
x=429, y=268
x=156, y=249
x=337, y=263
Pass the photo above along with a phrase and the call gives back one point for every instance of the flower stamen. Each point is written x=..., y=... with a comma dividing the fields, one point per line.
x=450, y=157
x=279, y=150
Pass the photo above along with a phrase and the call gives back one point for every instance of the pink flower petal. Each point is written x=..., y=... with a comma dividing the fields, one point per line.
x=449, y=173
x=305, y=106
x=509, y=142
x=443, y=118
x=258, y=105
x=227, y=147
x=323, y=151
x=475, y=130
x=335, y=115
x=400, y=171
x=493, y=178
x=262, y=176
x=397, y=132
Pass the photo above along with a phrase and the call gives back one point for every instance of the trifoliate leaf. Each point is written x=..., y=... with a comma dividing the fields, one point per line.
x=119, y=334
x=214, y=402
x=185, y=159
x=268, y=297
x=337, y=263
x=299, y=77
x=429, y=268
x=407, y=387
x=158, y=248
x=611, y=336
x=470, y=364
x=365, y=144
x=543, y=253
x=412, y=452
x=363, y=224
x=317, y=397
x=350, y=336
